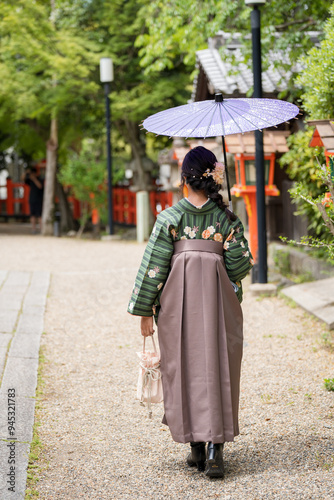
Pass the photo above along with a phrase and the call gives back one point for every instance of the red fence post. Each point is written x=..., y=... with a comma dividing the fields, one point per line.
x=124, y=203
x=76, y=208
x=164, y=198
x=132, y=208
x=124, y=206
x=25, y=200
x=10, y=198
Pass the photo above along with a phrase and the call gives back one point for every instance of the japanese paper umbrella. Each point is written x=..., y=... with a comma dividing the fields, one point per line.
x=220, y=117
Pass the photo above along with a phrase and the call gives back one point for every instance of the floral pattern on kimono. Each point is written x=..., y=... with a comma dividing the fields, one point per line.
x=179, y=222
x=154, y=269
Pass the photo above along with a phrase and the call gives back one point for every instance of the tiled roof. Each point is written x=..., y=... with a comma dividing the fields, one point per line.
x=228, y=78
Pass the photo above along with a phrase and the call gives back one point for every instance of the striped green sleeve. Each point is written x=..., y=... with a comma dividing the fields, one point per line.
x=153, y=270
x=237, y=256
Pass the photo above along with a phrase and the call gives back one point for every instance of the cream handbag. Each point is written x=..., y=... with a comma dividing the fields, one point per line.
x=149, y=386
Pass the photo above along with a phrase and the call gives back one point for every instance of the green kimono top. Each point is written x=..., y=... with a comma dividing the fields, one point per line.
x=185, y=221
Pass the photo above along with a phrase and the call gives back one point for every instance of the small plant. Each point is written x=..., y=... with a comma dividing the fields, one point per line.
x=299, y=337
x=308, y=396
x=323, y=463
x=289, y=302
x=327, y=340
x=329, y=384
x=36, y=446
x=282, y=262
x=302, y=278
x=266, y=398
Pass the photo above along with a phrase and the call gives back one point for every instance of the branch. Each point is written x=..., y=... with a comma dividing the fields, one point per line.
x=328, y=221
x=311, y=243
x=307, y=20
x=308, y=200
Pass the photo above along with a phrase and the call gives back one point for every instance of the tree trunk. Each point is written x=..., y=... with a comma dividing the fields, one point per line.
x=138, y=154
x=66, y=216
x=50, y=180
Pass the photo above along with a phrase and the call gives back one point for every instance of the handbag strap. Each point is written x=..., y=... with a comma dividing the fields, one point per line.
x=154, y=346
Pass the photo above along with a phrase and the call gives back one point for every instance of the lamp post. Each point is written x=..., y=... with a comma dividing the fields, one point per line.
x=106, y=77
x=261, y=270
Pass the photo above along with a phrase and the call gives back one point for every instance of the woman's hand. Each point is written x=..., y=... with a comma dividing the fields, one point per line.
x=146, y=326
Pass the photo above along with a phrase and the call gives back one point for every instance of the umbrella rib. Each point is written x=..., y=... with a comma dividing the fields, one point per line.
x=162, y=119
x=189, y=135
x=227, y=111
x=208, y=126
x=236, y=110
x=244, y=118
x=183, y=126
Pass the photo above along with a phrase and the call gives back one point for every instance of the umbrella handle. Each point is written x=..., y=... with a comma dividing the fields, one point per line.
x=227, y=177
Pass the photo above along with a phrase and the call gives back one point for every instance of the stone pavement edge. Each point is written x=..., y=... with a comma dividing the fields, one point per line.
x=22, y=305
x=316, y=297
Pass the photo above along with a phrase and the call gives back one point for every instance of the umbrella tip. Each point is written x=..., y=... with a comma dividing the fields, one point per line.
x=219, y=97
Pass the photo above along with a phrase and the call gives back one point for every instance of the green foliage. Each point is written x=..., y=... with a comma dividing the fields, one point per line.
x=324, y=208
x=135, y=95
x=313, y=178
x=49, y=67
x=46, y=69
x=86, y=174
x=317, y=79
x=282, y=261
x=178, y=28
x=329, y=384
x=301, y=160
x=49, y=62
x=301, y=163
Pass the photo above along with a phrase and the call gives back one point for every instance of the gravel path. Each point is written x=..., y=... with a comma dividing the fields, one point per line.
x=98, y=441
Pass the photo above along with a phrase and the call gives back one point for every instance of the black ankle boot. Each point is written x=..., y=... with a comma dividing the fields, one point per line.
x=214, y=462
x=197, y=456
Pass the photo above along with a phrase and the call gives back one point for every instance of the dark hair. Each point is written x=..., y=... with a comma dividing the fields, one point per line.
x=194, y=165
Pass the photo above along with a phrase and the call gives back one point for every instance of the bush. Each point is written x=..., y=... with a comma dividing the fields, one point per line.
x=86, y=174
x=301, y=162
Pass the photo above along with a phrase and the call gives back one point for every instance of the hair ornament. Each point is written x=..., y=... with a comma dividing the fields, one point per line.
x=217, y=173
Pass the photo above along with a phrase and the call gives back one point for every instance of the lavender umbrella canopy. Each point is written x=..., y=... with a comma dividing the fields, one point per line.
x=220, y=117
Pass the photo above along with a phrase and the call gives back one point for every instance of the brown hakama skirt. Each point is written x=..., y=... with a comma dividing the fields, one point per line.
x=201, y=341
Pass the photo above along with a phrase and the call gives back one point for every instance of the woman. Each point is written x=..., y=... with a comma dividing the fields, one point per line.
x=189, y=279
x=36, y=184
